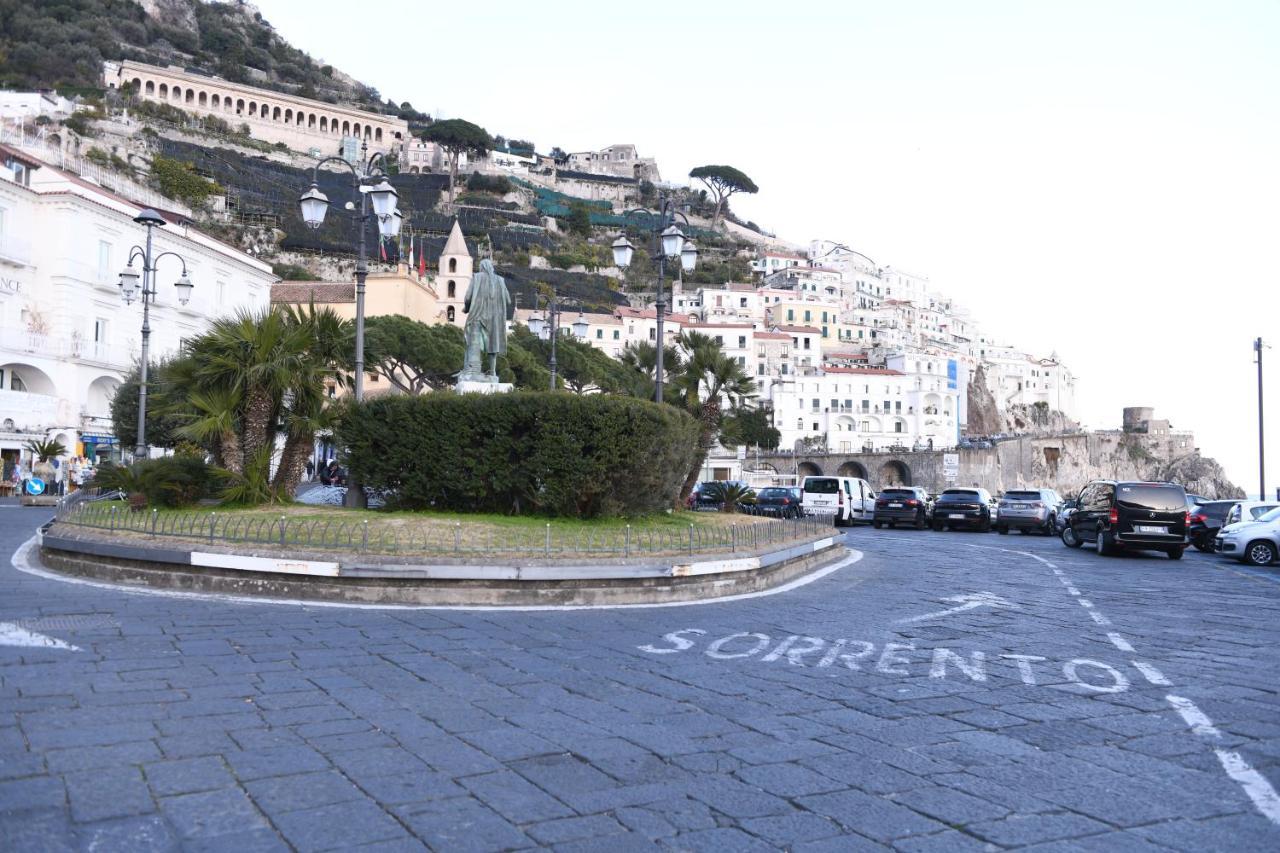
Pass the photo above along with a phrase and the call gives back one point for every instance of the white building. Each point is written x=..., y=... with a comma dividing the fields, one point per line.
x=620, y=161
x=67, y=337
x=29, y=105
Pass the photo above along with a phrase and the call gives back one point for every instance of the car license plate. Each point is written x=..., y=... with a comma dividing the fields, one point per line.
x=1149, y=528
x=1018, y=506
x=956, y=515
x=895, y=506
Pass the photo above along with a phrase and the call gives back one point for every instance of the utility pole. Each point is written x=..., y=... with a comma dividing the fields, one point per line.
x=1262, y=444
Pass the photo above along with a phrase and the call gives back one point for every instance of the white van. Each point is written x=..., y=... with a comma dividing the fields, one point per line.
x=847, y=500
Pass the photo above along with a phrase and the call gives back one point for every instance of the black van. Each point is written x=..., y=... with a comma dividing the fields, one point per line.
x=1120, y=516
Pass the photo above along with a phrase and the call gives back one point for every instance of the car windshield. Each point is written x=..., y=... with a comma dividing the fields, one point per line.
x=775, y=493
x=897, y=493
x=822, y=485
x=1274, y=515
x=1155, y=496
x=959, y=495
x=1022, y=496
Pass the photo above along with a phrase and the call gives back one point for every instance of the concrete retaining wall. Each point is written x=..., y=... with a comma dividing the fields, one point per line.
x=135, y=564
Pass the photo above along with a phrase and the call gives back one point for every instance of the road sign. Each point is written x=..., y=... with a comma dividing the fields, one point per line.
x=951, y=467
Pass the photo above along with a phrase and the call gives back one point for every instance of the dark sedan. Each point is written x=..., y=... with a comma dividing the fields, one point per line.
x=782, y=501
x=963, y=508
x=903, y=506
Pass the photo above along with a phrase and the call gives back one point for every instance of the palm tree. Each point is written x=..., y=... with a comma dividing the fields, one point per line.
x=44, y=450
x=216, y=423
x=707, y=381
x=642, y=358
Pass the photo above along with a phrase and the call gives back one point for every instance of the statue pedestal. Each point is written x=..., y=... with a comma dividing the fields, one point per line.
x=470, y=386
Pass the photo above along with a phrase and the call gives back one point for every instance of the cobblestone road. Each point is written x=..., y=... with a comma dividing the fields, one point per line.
x=938, y=694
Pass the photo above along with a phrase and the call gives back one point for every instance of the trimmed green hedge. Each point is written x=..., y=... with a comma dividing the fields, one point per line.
x=523, y=452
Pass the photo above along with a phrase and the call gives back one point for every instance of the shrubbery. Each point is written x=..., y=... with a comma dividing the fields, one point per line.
x=170, y=481
x=524, y=452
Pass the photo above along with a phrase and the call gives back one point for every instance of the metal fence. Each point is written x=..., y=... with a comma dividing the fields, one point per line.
x=440, y=537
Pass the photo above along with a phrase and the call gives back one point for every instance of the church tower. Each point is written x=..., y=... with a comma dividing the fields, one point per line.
x=456, y=266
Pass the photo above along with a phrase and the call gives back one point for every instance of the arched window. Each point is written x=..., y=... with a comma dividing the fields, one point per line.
x=216, y=101
x=253, y=108
x=137, y=84
x=450, y=314
x=164, y=90
x=346, y=128
x=333, y=125
x=288, y=116
x=177, y=93
x=151, y=87
x=377, y=134
x=368, y=132
x=453, y=290
x=453, y=265
x=311, y=121
x=191, y=96
x=240, y=106
x=275, y=114
x=324, y=124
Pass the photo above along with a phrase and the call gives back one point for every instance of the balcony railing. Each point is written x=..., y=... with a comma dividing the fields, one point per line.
x=49, y=346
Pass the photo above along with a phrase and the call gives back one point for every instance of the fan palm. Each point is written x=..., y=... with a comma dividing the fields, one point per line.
x=642, y=359
x=709, y=379
x=45, y=450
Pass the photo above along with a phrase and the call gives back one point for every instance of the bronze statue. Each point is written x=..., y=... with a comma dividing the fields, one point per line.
x=487, y=306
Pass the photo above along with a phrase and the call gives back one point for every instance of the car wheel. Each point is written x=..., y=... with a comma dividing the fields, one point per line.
x=1104, y=546
x=937, y=527
x=1175, y=553
x=1261, y=553
x=1069, y=537
x=1002, y=530
x=1050, y=525
x=877, y=524
x=1205, y=545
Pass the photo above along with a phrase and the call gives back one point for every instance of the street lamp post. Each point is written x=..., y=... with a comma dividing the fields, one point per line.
x=549, y=329
x=129, y=291
x=370, y=181
x=1262, y=449
x=669, y=241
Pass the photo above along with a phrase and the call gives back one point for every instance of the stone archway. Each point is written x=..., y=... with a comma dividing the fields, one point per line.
x=853, y=469
x=894, y=473
x=808, y=469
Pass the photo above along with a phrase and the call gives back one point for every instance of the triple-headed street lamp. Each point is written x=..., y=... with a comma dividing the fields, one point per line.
x=130, y=291
x=549, y=329
x=669, y=242
x=370, y=181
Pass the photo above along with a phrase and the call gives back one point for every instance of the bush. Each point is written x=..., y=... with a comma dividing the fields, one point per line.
x=179, y=180
x=170, y=481
x=524, y=452
x=496, y=184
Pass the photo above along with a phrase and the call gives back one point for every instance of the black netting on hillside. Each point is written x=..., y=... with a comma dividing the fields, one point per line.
x=593, y=291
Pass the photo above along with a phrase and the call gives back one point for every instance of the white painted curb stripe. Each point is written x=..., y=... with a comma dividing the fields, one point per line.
x=1195, y=718
x=264, y=564
x=1254, y=783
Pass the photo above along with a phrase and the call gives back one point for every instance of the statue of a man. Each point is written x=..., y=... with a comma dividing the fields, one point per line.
x=487, y=306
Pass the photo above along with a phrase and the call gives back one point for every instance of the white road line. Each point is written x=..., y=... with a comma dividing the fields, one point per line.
x=1151, y=674
x=1195, y=718
x=1119, y=642
x=23, y=562
x=1071, y=589
x=1098, y=617
x=1084, y=602
x=1254, y=783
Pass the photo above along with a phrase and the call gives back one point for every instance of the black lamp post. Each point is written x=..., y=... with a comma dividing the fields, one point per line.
x=1262, y=445
x=129, y=290
x=370, y=181
x=549, y=329
x=669, y=241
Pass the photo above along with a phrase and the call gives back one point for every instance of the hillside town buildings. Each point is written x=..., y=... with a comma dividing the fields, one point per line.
x=69, y=339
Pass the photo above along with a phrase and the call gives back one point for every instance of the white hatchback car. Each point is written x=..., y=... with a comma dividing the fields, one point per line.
x=1254, y=542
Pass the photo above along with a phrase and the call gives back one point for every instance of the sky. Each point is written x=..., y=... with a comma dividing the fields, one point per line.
x=1096, y=179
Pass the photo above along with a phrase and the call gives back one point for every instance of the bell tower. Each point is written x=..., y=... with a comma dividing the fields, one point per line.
x=456, y=266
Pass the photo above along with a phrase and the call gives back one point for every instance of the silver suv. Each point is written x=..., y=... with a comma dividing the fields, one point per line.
x=1029, y=509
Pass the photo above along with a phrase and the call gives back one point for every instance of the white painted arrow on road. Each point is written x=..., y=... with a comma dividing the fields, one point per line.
x=965, y=602
x=15, y=635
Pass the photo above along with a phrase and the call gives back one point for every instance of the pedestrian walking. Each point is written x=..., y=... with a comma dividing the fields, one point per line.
x=311, y=469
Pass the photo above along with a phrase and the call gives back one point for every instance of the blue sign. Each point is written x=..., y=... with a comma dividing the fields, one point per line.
x=951, y=374
x=98, y=439
x=35, y=486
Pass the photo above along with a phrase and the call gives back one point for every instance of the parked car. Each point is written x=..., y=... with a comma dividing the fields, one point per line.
x=1205, y=520
x=1064, y=514
x=847, y=500
x=1254, y=542
x=708, y=495
x=1248, y=511
x=903, y=505
x=782, y=501
x=1119, y=516
x=1028, y=510
x=963, y=508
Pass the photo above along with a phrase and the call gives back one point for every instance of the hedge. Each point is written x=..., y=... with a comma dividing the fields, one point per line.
x=525, y=452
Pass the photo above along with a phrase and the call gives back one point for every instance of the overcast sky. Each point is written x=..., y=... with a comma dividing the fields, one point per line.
x=1095, y=178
